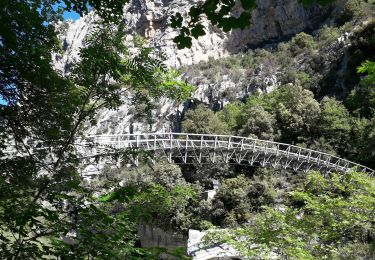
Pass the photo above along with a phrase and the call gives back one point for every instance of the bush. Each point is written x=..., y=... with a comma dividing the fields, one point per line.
x=355, y=9
x=260, y=124
x=328, y=35
x=231, y=115
x=238, y=198
x=301, y=42
x=203, y=121
x=327, y=218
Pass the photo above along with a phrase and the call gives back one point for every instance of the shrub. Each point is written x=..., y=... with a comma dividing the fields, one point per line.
x=203, y=121
x=327, y=218
x=301, y=42
x=259, y=124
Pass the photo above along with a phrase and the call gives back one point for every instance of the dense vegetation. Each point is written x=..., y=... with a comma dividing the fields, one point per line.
x=43, y=201
x=324, y=62
x=48, y=211
x=291, y=114
x=274, y=212
x=321, y=218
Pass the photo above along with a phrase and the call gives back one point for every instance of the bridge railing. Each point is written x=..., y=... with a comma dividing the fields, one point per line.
x=168, y=141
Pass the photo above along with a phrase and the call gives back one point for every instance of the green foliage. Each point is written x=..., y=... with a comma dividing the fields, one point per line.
x=291, y=114
x=328, y=34
x=203, y=121
x=335, y=124
x=302, y=79
x=157, y=195
x=233, y=191
x=153, y=203
x=157, y=203
x=99, y=234
x=304, y=61
x=297, y=111
x=167, y=175
x=260, y=124
x=362, y=100
x=238, y=198
x=41, y=193
x=364, y=140
x=368, y=67
x=301, y=42
x=205, y=173
x=313, y=67
x=33, y=230
x=161, y=81
x=334, y=116
x=43, y=199
x=290, y=109
x=174, y=88
x=355, y=9
x=231, y=114
x=325, y=217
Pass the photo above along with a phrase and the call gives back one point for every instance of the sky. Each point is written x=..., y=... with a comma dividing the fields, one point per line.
x=70, y=15
x=67, y=15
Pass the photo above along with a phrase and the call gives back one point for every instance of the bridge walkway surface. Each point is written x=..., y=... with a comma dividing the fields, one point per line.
x=184, y=148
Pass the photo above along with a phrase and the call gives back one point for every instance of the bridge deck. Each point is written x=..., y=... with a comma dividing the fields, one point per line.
x=204, y=148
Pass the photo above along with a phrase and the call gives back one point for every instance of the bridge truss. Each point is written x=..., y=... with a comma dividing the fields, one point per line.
x=185, y=148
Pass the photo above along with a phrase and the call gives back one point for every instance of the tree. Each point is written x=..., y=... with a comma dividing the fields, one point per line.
x=325, y=218
x=203, y=121
x=239, y=198
x=231, y=115
x=158, y=196
x=335, y=125
x=42, y=197
x=260, y=124
x=362, y=99
x=363, y=141
x=294, y=108
x=296, y=111
x=361, y=102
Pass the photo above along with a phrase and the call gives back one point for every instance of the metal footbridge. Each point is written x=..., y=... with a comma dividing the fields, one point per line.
x=185, y=148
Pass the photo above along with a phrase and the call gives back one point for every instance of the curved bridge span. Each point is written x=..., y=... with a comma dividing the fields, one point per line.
x=186, y=148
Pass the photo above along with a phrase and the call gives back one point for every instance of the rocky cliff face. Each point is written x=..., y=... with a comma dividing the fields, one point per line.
x=273, y=20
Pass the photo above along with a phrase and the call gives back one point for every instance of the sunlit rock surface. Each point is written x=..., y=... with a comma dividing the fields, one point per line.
x=273, y=20
x=197, y=250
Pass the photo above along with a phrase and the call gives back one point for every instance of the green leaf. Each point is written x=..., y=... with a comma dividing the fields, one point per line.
x=197, y=31
x=183, y=41
x=176, y=20
x=249, y=4
x=244, y=20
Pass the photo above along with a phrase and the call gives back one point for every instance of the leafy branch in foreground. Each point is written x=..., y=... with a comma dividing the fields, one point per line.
x=42, y=197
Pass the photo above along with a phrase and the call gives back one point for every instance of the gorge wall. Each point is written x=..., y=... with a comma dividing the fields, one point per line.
x=272, y=21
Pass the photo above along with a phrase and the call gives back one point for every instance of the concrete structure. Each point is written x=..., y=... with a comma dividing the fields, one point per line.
x=157, y=237
x=198, y=251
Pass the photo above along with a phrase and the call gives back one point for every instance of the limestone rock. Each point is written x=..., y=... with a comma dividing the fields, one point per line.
x=199, y=251
x=273, y=20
